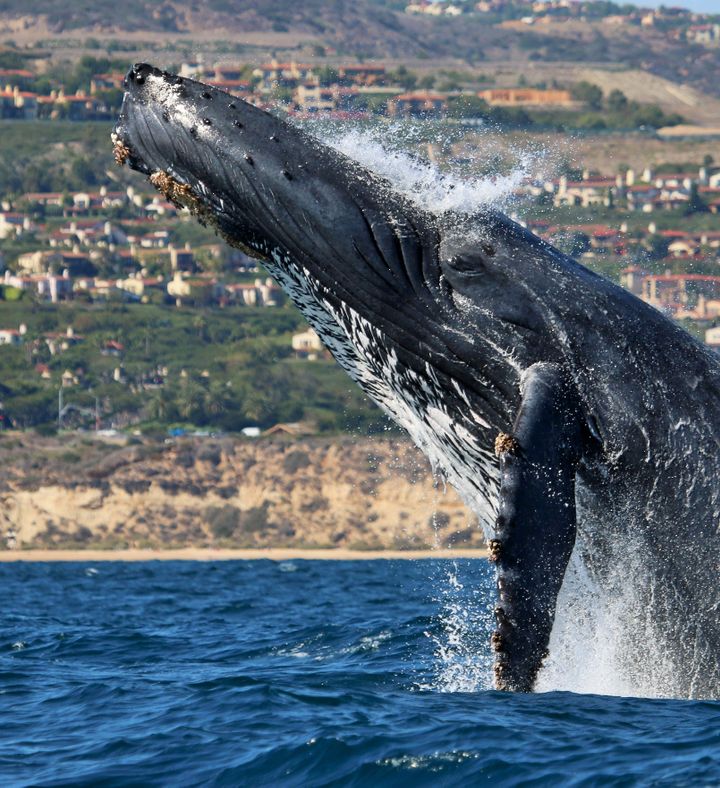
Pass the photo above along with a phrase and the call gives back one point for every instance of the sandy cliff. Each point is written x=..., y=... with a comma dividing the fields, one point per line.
x=341, y=492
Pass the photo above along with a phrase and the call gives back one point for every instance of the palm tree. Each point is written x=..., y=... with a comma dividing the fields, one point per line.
x=218, y=399
x=161, y=405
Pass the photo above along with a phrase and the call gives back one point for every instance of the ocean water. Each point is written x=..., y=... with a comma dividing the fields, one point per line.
x=302, y=673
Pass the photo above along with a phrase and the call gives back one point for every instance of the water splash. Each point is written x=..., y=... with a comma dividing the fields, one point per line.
x=462, y=659
x=604, y=640
x=384, y=151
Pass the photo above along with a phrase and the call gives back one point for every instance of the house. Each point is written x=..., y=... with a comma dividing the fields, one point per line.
x=47, y=286
x=592, y=191
x=182, y=259
x=259, y=293
x=632, y=278
x=193, y=289
x=433, y=9
x=58, y=342
x=11, y=336
x=112, y=348
x=307, y=344
x=684, y=248
x=275, y=74
x=712, y=338
x=527, y=97
x=421, y=104
x=111, y=81
x=671, y=292
x=55, y=288
x=641, y=197
x=69, y=378
x=16, y=104
x=707, y=35
x=43, y=199
x=247, y=294
x=313, y=98
x=292, y=429
x=361, y=74
x=13, y=225
x=138, y=286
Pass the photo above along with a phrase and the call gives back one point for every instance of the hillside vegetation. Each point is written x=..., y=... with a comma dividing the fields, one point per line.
x=217, y=369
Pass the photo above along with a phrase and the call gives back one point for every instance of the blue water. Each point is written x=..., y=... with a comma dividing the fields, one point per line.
x=301, y=673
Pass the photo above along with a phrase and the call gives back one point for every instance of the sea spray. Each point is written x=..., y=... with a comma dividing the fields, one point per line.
x=604, y=640
x=386, y=151
x=460, y=636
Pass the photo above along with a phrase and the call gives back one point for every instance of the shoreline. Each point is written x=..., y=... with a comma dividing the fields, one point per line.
x=211, y=554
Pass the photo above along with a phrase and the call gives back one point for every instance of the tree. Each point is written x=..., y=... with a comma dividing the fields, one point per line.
x=468, y=105
x=191, y=401
x=696, y=204
x=656, y=246
x=589, y=94
x=162, y=405
x=218, y=399
x=327, y=76
x=427, y=82
x=403, y=77
x=617, y=101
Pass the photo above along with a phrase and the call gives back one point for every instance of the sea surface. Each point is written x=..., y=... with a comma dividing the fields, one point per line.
x=302, y=673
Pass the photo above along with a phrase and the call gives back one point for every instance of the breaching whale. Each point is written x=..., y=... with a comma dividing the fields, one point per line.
x=568, y=414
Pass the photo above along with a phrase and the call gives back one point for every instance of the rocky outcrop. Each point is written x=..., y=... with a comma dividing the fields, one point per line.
x=341, y=492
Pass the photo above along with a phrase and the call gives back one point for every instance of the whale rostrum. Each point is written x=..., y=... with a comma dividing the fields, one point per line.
x=574, y=420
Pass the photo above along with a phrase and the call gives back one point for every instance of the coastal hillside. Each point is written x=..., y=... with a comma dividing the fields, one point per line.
x=669, y=43
x=369, y=494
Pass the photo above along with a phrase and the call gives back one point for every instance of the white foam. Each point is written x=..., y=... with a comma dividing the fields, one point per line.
x=423, y=181
x=604, y=640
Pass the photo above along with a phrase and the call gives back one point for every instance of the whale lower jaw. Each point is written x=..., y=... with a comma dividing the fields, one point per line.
x=416, y=402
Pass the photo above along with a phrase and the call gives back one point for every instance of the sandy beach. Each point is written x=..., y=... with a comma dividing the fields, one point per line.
x=209, y=554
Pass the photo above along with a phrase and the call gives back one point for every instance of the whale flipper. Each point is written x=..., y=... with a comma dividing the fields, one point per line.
x=536, y=521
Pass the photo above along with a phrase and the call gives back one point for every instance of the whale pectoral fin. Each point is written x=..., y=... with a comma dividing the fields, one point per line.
x=536, y=521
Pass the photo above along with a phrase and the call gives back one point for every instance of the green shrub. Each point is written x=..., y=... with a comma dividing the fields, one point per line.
x=222, y=520
x=295, y=461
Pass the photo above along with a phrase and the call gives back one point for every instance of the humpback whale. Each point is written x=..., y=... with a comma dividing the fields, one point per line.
x=574, y=419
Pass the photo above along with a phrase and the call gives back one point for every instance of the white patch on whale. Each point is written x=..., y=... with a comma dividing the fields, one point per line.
x=416, y=402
